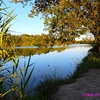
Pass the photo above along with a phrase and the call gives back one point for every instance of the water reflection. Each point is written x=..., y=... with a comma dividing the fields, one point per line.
x=64, y=61
x=36, y=51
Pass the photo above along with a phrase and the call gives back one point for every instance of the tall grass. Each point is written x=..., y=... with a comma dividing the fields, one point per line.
x=51, y=80
x=15, y=82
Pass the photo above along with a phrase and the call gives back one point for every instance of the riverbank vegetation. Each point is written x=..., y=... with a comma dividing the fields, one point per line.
x=43, y=40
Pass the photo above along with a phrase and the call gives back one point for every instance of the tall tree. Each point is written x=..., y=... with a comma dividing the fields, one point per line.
x=69, y=16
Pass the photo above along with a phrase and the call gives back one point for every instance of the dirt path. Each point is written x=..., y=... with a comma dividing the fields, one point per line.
x=85, y=88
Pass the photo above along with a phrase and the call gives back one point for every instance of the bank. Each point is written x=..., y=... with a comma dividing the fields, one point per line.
x=45, y=90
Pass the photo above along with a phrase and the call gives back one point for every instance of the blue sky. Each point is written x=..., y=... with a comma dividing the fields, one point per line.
x=22, y=22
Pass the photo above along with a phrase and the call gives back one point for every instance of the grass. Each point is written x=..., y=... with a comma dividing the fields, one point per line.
x=14, y=82
x=49, y=86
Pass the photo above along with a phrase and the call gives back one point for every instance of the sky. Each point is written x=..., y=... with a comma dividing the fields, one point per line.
x=22, y=23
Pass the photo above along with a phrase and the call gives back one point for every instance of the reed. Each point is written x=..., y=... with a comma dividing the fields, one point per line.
x=15, y=81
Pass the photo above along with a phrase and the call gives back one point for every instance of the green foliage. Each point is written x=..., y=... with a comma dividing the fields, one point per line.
x=43, y=40
x=51, y=80
x=5, y=23
x=89, y=62
x=5, y=20
x=8, y=41
x=68, y=16
x=16, y=80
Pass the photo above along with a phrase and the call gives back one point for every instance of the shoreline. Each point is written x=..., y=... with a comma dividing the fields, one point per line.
x=53, y=92
x=87, y=87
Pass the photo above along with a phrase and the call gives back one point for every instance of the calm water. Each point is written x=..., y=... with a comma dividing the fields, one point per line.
x=63, y=63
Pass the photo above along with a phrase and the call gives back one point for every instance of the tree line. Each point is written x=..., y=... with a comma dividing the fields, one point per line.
x=43, y=40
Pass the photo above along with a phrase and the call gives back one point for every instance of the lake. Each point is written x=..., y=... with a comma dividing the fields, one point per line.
x=59, y=61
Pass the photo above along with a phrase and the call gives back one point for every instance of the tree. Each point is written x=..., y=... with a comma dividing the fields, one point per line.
x=8, y=41
x=69, y=16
